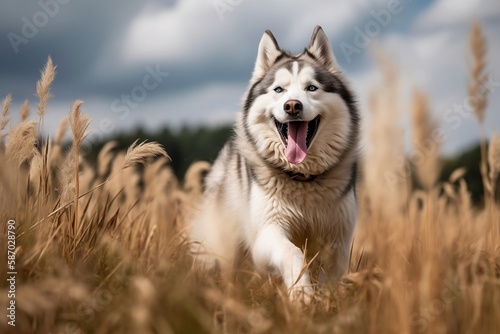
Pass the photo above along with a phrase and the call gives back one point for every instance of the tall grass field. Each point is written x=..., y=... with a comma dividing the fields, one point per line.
x=102, y=248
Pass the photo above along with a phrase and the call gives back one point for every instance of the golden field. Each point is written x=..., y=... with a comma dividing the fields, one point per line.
x=102, y=249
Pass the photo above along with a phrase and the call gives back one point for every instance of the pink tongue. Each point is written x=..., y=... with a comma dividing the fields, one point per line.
x=296, y=149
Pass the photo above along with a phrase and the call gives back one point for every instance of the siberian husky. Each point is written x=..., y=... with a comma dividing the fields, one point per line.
x=283, y=188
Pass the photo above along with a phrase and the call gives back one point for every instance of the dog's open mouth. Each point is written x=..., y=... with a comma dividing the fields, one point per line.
x=297, y=137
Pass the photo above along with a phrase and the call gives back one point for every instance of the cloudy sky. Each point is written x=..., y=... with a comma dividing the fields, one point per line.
x=187, y=62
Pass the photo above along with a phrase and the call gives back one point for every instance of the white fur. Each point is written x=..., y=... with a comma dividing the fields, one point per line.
x=250, y=201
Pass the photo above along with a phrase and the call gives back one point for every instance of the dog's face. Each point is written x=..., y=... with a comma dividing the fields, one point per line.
x=298, y=113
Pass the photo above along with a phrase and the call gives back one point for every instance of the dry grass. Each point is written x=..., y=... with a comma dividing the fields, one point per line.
x=478, y=92
x=21, y=144
x=43, y=87
x=5, y=118
x=425, y=146
x=101, y=249
x=25, y=110
x=494, y=165
x=386, y=168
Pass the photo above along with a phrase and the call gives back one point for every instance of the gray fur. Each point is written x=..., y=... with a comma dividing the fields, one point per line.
x=257, y=200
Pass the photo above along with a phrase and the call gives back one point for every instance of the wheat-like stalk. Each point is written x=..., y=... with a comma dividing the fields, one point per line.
x=67, y=176
x=79, y=124
x=384, y=170
x=25, y=110
x=494, y=163
x=457, y=174
x=478, y=93
x=22, y=142
x=136, y=154
x=104, y=158
x=43, y=94
x=43, y=87
x=4, y=120
x=427, y=149
x=140, y=153
x=494, y=156
x=56, y=154
x=193, y=179
x=143, y=293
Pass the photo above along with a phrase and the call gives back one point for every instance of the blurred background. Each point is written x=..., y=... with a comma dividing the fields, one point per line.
x=175, y=71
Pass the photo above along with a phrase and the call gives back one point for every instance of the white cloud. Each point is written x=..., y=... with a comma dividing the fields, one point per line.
x=437, y=61
x=446, y=13
x=170, y=34
x=213, y=104
x=432, y=55
x=194, y=30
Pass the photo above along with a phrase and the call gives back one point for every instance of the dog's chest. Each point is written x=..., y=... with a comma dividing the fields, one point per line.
x=301, y=205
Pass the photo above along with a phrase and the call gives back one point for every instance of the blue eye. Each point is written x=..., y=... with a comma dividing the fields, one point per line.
x=311, y=88
x=278, y=89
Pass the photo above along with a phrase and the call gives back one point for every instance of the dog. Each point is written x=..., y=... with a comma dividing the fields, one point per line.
x=283, y=187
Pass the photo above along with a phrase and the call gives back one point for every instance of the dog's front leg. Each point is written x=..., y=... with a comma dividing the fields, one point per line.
x=272, y=248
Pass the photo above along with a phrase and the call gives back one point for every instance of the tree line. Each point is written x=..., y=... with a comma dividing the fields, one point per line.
x=189, y=144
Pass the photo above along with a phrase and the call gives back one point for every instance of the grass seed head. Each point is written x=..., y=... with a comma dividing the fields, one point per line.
x=141, y=153
x=22, y=142
x=43, y=87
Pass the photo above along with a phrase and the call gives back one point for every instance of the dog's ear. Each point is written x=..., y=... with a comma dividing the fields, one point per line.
x=321, y=49
x=269, y=50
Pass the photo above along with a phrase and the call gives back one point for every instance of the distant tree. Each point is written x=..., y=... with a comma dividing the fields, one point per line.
x=184, y=146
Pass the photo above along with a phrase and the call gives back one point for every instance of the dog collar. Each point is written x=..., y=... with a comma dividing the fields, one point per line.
x=301, y=177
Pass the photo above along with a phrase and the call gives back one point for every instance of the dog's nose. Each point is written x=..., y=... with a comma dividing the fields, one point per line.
x=292, y=107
